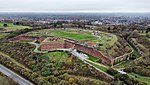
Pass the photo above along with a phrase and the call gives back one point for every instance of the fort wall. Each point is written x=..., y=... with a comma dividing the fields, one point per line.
x=68, y=44
x=91, y=51
x=53, y=45
x=27, y=38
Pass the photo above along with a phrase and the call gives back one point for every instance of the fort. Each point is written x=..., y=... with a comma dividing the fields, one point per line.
x=68, y=43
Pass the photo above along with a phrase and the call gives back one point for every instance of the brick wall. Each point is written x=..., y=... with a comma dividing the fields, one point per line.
x=91, y=51
x=41, y=39
x=27, y=38
x=68, y=44
x=53, y=45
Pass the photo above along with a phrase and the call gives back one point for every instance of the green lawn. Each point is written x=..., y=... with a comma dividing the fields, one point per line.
x=73, y=34
x=11, y=26
x=106, y=39
x=141, y=78
x=122, y=64
x=98, y=66
x=93, y=58
x=58, y=56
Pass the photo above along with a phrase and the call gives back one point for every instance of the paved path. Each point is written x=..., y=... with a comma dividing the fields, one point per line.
x=36, y=46
x=14, y=76
x=83, y=57
x=80, y=56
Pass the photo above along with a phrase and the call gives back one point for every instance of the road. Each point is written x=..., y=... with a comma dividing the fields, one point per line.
x=14, y=76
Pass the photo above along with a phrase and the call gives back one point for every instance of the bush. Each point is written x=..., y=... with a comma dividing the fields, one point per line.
x=112, y=71
x=5, y=25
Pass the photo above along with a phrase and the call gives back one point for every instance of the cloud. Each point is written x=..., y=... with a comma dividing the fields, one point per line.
x=75, y=5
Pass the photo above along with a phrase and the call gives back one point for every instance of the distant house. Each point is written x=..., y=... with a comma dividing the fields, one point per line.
x=97, y=23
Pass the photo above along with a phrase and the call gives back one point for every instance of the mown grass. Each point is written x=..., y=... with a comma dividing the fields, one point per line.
x=58, y=57
x=141, y=78
x=93, y=58
x=98, y=66
x=73, y=34
x=11, y=26
x=122, y=64
x=106, y=39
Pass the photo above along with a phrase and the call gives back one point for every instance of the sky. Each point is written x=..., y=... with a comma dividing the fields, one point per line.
x=74, y=5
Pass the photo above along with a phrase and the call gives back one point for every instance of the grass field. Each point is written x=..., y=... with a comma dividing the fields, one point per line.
x=99, y=66
x=93, y=58
x=81, y=35
x=122, y=64
x=141, y=78
x=11, y=26
x=58, y=57
x=106, y=39
x=77, y=35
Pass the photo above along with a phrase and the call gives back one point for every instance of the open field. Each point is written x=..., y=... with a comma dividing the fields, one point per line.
x=93, y=58
x=81, y=35
x=141, y=78
x=11, y=26
x=97, y=65
x=58, y=57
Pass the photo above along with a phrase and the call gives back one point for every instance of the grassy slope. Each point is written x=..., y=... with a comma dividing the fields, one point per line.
x=141, y=78
x=3, y=34
x=12, y=27
x=58, y=56
x=97, y=65
x=93, y=58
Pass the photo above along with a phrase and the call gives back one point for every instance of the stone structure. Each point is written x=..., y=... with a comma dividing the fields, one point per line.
x=53, y=45
x=71, y=44
x=27, y=38
x=88, y=50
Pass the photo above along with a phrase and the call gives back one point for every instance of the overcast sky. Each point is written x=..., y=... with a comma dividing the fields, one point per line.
x=75, y=5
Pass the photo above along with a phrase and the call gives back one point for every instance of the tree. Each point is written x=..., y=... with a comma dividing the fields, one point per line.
x=17, y=23
x=108, y=28
x=147, y=30
x=5, y=25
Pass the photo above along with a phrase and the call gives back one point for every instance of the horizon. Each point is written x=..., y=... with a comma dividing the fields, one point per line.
x=69, y=12
x=107, y=6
